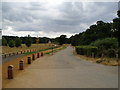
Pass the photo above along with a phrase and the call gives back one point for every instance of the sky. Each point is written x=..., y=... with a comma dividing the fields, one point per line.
x=51, y=19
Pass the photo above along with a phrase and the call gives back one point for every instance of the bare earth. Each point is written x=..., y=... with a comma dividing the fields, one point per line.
x=64, y=70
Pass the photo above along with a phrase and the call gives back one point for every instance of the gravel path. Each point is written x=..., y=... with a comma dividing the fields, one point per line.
x=64, y=70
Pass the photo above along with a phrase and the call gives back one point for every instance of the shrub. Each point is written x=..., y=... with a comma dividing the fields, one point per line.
x=111, y=53
x=89, y=50
x=86, y=50
x=102, y=52
x=11, y=43
x=79, y=50
x=4, y=42
x=18, y=42
x=106, y=43
x=119, y=52
x=28, y=41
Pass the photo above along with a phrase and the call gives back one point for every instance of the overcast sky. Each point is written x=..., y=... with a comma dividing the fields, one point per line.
x=51, y=19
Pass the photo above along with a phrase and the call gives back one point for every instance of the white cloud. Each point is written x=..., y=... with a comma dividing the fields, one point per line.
x=11, y=32
x=53, y=19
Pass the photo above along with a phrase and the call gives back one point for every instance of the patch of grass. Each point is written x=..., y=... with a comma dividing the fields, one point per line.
x=29, y=53
x=48, y=52
x=56, y=50
x=52, y=51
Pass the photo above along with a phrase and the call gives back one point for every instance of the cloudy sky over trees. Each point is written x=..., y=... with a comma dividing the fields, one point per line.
x=51, y=19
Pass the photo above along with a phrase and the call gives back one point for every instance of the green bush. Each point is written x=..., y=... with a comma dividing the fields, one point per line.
x=119, y=52
x=79, y=50
x=86, y=50
x=4, y=42
x=28, y=41
x=102, y=52
x=106, y=46
x=97, y=52
x=111, y=53
x=18, y=42
x=11, y=43
x=106, y=43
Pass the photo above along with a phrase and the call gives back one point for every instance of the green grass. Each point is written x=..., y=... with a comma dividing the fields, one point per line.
x=28, y=53
x=56, y=50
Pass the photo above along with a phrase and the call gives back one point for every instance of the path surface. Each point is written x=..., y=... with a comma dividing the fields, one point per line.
x=64, y=70
x=11, y=57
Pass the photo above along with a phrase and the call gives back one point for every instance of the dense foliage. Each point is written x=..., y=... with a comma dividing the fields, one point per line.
x=28, y=41
x=62, y=39
x=4, y=42
x=18, y=42
x=11, y=43
x=94, y=51
x=119, y=52
x=104, y=36
x=100, y=30
x=87, y=50
x=106, y=43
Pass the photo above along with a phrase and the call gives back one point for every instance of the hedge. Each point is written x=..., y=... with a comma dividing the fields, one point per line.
x=87, y=50
x=119, y=52
x=96, y=52
x=111, y=53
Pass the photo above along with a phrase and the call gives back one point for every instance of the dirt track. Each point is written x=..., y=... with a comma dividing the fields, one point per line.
x=64, y=70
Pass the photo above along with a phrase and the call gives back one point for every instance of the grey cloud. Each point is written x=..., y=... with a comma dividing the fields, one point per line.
x=91, y=12
x=68, y=17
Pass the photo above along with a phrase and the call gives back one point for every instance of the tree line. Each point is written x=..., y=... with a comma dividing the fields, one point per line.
x=100, y=39
x=15, y=41
x=100, y=30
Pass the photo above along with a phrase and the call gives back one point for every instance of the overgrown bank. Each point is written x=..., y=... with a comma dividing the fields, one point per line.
x=103, y=51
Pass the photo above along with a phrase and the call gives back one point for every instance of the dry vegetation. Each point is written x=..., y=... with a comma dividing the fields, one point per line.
x=105, y=60
x=0, y=49
x=6, y=49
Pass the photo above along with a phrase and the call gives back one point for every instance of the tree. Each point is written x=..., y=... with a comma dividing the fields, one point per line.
x=44, y=40
x=100, y=22
x=4, y=42
x=100, y=30
x=116, y=29
x=23, y=39
x=18, y=42
x=11, y=43
x=118, y=13
x=62, y=39
x=28, y=41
